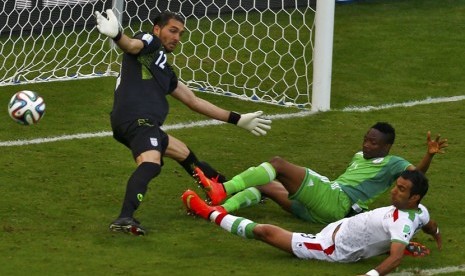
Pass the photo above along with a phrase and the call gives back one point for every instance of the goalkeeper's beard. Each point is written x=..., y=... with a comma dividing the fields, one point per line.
x=169, y=49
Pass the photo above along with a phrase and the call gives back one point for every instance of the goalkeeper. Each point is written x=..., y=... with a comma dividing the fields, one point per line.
x=313, y=197
x=140, y=108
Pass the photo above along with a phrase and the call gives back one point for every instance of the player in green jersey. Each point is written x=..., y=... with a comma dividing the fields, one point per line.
x=313, y=197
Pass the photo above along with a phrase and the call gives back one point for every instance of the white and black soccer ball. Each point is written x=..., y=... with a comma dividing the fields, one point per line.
x=26, y=107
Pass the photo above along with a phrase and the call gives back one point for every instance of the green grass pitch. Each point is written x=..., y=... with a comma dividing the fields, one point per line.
x=58, y=198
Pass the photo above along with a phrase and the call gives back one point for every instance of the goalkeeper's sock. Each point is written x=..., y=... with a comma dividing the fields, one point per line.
x=248, y=197
x=254, y=176
x=137, y=187
x=192, y=161
x=236, y=225
x=189, y=163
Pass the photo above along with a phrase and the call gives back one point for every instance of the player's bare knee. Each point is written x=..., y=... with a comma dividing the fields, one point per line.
x=277, y=162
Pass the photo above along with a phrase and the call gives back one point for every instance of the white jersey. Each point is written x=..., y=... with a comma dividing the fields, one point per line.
x=371, y=233
x=362, y=236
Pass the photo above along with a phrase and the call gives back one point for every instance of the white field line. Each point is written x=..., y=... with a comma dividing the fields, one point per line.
x=215, y=122
x=432, y=271
x=407, y=104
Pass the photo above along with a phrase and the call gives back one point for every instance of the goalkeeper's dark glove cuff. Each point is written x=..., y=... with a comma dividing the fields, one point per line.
x=118, y=36
x=234, y=117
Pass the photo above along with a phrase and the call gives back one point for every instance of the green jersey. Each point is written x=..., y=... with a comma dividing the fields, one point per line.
x=365, y=179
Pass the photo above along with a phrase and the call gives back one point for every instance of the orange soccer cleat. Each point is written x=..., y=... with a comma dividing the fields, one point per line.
x=214, y=190
x=416, y=249
x=197, y=206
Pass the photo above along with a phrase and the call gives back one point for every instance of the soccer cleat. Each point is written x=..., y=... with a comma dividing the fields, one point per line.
x=416, y=249
x=210, y=172
x=197, y=206
x=127, y=225
x=214, y=190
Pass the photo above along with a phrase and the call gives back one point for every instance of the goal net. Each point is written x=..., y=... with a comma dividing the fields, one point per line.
x=255, y=50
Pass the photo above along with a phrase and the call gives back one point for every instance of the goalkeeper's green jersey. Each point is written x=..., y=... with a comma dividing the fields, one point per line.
x=365, y=179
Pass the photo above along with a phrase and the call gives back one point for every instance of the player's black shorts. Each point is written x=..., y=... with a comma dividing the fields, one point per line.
x=141, y=135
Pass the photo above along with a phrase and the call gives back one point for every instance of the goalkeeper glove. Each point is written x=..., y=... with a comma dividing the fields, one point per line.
x=108, y=25
x=251, y=122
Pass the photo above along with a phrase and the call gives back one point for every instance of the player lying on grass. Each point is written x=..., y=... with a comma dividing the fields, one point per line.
x=140, y=107
x=313, y=197
x=368, y=234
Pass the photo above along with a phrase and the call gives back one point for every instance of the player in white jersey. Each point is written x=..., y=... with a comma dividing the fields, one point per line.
x=382, y=230
x=366, y=235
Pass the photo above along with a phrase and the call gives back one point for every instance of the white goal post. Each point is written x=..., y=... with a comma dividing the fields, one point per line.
x=274, y=51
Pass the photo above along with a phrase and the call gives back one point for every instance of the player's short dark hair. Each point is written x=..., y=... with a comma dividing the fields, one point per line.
x=162, y=19
x=388, y=131
x=419, y=181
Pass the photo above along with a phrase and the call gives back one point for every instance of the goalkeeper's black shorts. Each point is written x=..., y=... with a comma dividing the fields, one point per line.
x=141, y=135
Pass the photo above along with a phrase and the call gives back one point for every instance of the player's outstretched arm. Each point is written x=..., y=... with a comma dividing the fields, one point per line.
x=432, y=229
x=433, y=146
x=394, y=259
x=253, y=122
x=109, y=27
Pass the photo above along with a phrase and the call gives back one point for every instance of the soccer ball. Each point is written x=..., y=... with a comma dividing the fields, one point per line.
x=26, y=107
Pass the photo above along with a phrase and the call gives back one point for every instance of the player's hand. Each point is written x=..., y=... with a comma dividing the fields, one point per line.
x=107, y=25
x=254, y=123
x=437, y=145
